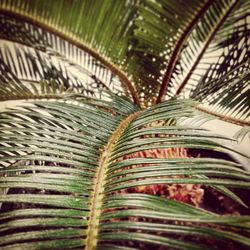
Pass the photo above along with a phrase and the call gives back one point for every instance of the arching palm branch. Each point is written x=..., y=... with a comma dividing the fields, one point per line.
x=103, y=150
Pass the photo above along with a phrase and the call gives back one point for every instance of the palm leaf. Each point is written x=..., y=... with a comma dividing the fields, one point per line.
x=74, y=177
x=201, y=37
x=77, y=28
x=24, y=67
x=221, y=67
x=229, y=94
x=160, y=34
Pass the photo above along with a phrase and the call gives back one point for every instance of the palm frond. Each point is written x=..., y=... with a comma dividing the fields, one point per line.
x=24, y=67
x=197, y=43
x=219, y=76
x=48, y=24
x=77, y=182
x=225, y=85
x=160, y=34
x=43, y=49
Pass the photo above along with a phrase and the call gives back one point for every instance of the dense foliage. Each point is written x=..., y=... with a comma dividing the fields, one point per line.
x=100, y=138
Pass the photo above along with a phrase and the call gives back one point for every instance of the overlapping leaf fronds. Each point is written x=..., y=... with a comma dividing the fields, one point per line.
x=97, y=17
x=24, y=68
x=25, y=76
x=161, y=29
x=225, y=86
x=88, y=169
x=219, y=75
x=109, y=20
x=69, y=188
x=195, y=47
x=71, y=66
x=152, y=43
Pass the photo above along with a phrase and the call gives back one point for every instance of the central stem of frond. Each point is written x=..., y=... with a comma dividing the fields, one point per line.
x=99, y=183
